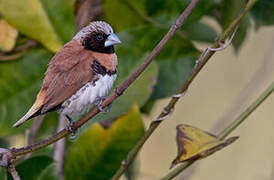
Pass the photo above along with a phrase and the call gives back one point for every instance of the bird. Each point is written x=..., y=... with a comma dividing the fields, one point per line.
x=79, y=75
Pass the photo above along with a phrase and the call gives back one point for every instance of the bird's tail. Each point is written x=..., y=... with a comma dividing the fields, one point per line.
x=30, y=114
x=34, y=110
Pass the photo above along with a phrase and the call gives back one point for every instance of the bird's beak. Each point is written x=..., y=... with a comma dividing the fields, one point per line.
x=112, y=40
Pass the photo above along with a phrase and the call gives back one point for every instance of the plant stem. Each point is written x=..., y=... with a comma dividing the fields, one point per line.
x=240, y=119
x=117, y=92
x=246, y=113
x=206, y=55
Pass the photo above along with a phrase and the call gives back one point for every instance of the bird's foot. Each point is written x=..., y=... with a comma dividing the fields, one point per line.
x=98, y=102
x=74, y=133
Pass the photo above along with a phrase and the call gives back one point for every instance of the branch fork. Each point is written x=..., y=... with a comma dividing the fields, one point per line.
x=7, y=157
x=8, y=160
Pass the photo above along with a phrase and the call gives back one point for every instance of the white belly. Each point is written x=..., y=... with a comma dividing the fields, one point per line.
x=84, y=98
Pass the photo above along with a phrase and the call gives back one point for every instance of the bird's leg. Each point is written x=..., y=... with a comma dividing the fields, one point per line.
x=98, y=103
x=74, y=133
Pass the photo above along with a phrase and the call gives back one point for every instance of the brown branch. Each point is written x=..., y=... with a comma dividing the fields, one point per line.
x=117, y=92
x=13, y=172
x=11, y=56
x=30, y=43
x=18, y=52
x=8, y=160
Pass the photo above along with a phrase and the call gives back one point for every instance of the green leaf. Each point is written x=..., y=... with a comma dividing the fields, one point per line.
x=98, y=152
x=200, y=32
x=162, y=6
x=3, y=173
x=172, y=76
x=120, y=15
x=60, y=13
x=35, y=168
x=262, y=12
x=145, y=38
x=29, y=17
x=20, y=81
x=174, y=8
x=241, y=33
x=49, y=173
x=132, y=171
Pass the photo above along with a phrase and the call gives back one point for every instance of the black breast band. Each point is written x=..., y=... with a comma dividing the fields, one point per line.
x=97, y=68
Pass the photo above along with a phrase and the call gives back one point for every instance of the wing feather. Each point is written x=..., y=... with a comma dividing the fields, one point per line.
x=67, y=72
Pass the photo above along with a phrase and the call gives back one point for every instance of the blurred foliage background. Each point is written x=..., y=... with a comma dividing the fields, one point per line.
x=31, y=31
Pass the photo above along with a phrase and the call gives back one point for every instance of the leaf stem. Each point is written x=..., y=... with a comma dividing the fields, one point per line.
x=246, y=113
x=167, y=110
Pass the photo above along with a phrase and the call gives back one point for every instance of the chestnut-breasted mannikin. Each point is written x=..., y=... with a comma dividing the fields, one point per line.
x=79, y=75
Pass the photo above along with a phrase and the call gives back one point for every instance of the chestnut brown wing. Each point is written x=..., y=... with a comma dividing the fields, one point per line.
x=69, y=70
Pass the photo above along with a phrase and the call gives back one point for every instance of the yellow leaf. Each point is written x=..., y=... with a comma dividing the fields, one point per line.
x=8, y=35
x=100, y=149
x=29, y=17
x=194, y=143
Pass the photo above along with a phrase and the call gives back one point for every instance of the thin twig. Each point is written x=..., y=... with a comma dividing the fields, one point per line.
x=205, y=56
x=117, y=92
x=30, y=43
x=12, y=56
x=13, y=172
x=240, y=119
x=37, y=122
x=18, y=52
x=59, y=149
x=246, y=113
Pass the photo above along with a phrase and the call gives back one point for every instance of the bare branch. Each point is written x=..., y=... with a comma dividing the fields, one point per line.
x=13, y=172
x=8, y=160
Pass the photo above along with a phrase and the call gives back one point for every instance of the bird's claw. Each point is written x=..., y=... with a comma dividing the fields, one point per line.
x=98, y=102
x=74, y=133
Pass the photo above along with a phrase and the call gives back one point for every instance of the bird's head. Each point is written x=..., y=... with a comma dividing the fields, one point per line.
x=98, y=36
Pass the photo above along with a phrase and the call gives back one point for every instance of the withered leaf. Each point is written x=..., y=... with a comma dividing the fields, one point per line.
x=194, y=143
x=8, y=36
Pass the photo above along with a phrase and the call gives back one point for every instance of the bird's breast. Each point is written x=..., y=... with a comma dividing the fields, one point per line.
x=85, y=97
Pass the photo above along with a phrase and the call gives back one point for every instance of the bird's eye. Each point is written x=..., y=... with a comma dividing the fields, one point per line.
x=99, y=37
